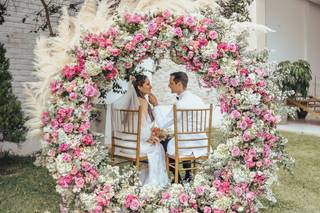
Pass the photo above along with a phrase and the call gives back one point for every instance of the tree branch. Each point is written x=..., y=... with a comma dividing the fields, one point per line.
x=45, y=6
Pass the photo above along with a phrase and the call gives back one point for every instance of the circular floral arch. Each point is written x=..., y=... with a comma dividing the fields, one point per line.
x=237, y=175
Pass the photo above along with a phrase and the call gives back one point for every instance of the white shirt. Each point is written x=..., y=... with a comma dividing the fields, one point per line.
x=187, y=100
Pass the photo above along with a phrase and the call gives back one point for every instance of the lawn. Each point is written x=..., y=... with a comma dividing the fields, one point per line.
x=26, y=188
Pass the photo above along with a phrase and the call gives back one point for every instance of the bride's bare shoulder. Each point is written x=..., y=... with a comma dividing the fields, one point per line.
x=142, y=101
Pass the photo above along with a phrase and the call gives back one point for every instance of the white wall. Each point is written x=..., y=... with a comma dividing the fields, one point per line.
x=297, y=34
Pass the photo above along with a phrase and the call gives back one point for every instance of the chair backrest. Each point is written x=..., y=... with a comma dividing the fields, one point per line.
x=126, y=130
x=195, y=122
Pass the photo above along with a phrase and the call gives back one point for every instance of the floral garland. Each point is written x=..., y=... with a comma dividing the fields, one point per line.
x=239, y=172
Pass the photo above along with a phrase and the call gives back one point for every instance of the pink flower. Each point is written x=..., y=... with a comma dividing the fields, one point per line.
x=179, y=21
x=234, y=82
x=235, y=114
x=235, y=152
x=214, y=56
x=213, y=35
x=135, y=205
x=243, y=125
x=138, y=37
x=65, y=181
x=190, y=54
x=73, y=96
x=223, y=46
x=190, y=21
x=45, y=118
x=109, y=66
x=115, y=52
x=200, y=190
x=233, y=48
x=90, y=91
x=217, y=183
x=86, y=166
x=267, y=162
x=166, y=13
x=129, y=46
x=84, y=127
x=246, y=136
x=244, y=71
x=183, y=198
x=178, y=31
x=112, y=74
x=207, y=209
x=128, y=65
x=259, y=164
x=63, y=147
x=165, y=196
x=238, y=190
x=250, y=196
x=68, y=128
x=87, y=139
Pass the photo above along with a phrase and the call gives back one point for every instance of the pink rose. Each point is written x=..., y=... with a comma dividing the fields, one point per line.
x=243, y=125
x=235, y=152
x=246, y=136
x=190, y=54
x=244, y=71
x=64, y=181
x=217, y=183
x=233, y=48
x=109, y=66
x=87, y=139
x=73, y=96
x=66, y=157
x=235, y=114
x=165, y=195
x=63, y=147
x=128, y=65
x=259, y=164
x=178, y=32
x=138, y=37
x=190, y=21
x=214, y=56
x=213, y=35
x=112, y=74
x=207, y=209
x=250, y=196
x=200, y=190
x=68, y=128
x=166, y=13
x=267, y=162
x=238, y=190
x=45, y=118
x=183, y=198
x=90, y=91
x=135, y=205
x=79, y=182
x=86, y=166
x=115, y=52
x=84, y=127
x=234, y=82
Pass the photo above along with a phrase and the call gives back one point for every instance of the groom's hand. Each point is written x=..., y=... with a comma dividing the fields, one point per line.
x=153, y=100
x=154, y=139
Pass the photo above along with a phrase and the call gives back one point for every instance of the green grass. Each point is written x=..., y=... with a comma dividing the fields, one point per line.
x=26, y=188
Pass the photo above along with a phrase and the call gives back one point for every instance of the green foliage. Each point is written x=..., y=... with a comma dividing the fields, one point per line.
x=239, y=9
x=298, y=78
x=11, y=117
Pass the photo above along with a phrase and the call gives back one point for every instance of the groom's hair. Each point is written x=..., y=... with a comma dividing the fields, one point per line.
x=180, y=77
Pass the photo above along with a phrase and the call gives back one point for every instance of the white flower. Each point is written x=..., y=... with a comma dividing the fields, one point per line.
x=89, y=200
x=63, y=167
x=222, y=151
x=92, y=68
x=223, y=203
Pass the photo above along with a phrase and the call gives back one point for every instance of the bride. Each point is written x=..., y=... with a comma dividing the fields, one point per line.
x=139, y=87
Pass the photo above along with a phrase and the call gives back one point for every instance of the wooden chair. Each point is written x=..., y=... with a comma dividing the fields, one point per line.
x=197, y=122
x=126, y=139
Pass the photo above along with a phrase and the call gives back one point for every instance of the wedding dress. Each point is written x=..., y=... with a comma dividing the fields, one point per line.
x=156, y=174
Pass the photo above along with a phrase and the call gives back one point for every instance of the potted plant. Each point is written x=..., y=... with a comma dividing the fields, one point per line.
x=299, y=77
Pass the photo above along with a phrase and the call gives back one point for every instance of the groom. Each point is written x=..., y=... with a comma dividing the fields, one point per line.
x=178, y=83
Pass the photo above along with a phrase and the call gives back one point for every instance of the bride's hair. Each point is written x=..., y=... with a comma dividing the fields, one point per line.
x=139, y=80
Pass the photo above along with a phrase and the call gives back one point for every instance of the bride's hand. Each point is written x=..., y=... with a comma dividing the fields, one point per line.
x=153, y=99
x=153, y=139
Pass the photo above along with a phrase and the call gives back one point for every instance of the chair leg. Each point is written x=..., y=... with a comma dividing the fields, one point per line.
x=167, y=165
x=176, y=171
x=138, y=164
x=194, y=166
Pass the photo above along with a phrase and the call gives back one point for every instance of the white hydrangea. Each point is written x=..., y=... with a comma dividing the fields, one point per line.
x=229, y=67
x=89, y=200
x=92, y=68
x=62, y=167
x=222, y=203
x=240, y=174
x=222, y=151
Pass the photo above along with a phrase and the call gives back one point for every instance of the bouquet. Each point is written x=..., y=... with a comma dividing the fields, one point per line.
x=162, y=134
